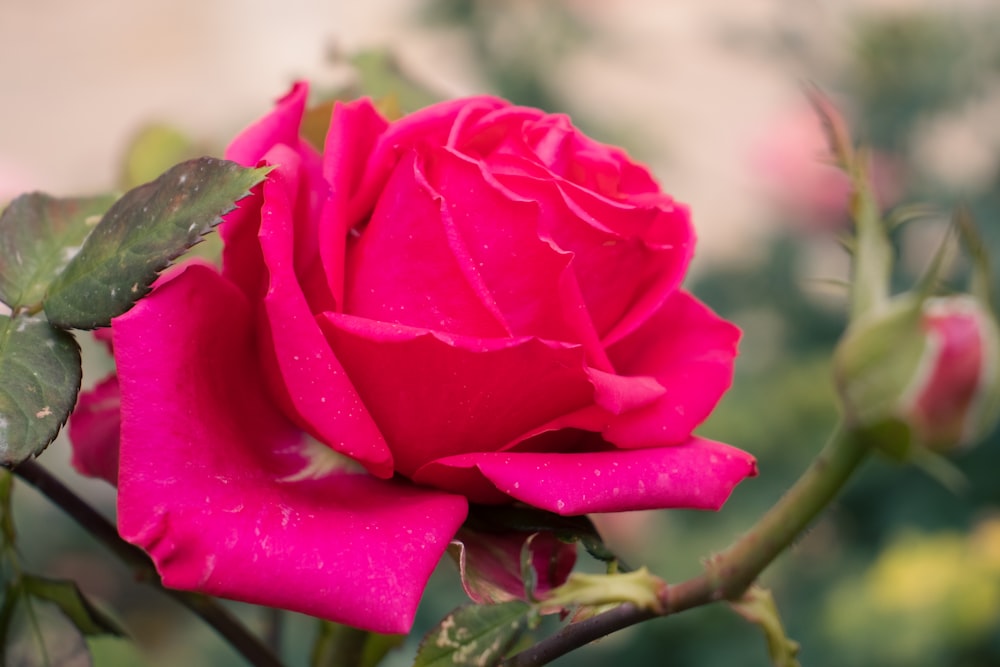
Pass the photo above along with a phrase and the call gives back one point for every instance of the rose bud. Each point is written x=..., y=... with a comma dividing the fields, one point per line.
x=930, y=365
x=493, y=565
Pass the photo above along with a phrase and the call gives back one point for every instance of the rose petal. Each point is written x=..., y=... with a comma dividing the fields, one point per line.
x=690, y=351
x=281, y=126
x=430, y=126
x=242, y=260
x=435, y=394
x=354, y=130
x=218, y=486
x=93, y=430
x=528, y=279
x=617, y=267
x=411, y=267
x=305, y=374
x=700, y=474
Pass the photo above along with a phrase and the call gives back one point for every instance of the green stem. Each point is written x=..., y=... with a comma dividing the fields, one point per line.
x=731, y=572
x=274, y=628
x=228, y=626
x=728, y=574
x=872, y=264
x=338, y=645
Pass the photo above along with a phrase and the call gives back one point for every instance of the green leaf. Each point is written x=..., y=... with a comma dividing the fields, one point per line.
x=343, y=646
x=39, y=235
x=11, y=596
x=476, y=635
x=40, y=368
x=140, y=236
x=65, y=595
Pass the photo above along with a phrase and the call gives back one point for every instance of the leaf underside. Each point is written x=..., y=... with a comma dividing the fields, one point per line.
x=40, y=371
x=39, y=235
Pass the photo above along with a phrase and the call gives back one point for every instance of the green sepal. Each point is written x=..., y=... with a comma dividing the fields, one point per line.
x=876, y=360
x=41, y=370
x=141, y=235
x=639, y=587
x=476, y=635
x=757, y=606
x=872, y=251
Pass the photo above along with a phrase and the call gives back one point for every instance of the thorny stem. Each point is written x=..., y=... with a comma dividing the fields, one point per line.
x=728, y=574
x=227, y=625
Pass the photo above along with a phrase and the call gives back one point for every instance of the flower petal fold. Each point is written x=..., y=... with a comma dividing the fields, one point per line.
x=435, y=394
x=699, y=474
x=690, y=352
x=224, y=492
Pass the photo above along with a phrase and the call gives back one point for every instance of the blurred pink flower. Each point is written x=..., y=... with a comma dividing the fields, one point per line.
x=795, y=170
x=14, y=180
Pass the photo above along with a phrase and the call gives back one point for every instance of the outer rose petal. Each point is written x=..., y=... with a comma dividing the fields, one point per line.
x=219, y=487
x=93, y=430
x=241, y=254
x=281, y=126
x=690, y=351
x=699, y=474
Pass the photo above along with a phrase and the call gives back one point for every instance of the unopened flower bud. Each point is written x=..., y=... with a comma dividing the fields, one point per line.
x=930, y=365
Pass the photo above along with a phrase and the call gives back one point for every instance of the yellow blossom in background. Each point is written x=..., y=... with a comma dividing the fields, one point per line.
x=926, y=593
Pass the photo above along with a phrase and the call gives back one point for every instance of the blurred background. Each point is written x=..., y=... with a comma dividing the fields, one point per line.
x=901, y=571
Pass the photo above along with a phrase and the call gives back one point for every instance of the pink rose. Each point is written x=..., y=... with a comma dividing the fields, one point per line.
x=475, y=303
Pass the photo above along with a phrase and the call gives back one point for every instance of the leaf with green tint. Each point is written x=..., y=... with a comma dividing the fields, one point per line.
x=39, y=235
x=11, y=596
x=40, y=371
x=476, y=635
x=65, y=595
x=141, y=235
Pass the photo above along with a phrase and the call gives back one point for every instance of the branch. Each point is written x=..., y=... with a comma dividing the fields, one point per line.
x=728, y=574
x=227, y=625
